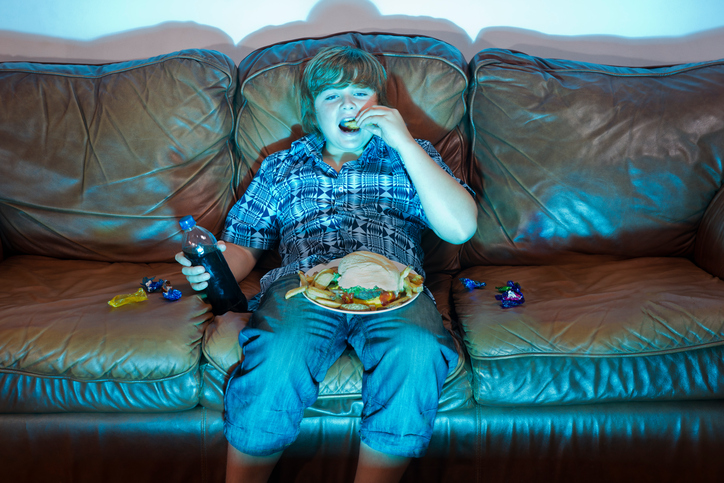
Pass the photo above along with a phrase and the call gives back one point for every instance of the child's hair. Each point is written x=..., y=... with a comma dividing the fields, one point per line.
x=339, y=67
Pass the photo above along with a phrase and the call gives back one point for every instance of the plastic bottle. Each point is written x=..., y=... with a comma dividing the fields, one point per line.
x=199, y=246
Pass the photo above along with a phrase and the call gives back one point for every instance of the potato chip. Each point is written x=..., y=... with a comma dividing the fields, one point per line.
x=329, y=303
x=294, y=291
x=355, y=307
x=316, y=293
x=324, y=278
x=397, y=302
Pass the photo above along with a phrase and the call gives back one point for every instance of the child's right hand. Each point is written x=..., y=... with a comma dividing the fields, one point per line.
x=196, y=275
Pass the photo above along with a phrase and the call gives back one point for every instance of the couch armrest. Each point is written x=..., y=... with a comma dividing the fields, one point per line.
x=709, y=249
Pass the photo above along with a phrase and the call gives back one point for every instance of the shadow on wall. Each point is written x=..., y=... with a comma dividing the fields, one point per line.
x=333, y=16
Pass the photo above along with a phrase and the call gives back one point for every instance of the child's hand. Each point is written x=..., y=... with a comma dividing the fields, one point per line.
x=196, y=275
x=386, y=123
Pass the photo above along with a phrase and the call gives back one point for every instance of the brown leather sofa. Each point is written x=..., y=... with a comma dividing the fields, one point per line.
x=598, y=191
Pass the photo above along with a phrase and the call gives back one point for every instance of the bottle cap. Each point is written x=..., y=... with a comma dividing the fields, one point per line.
x=187, y=222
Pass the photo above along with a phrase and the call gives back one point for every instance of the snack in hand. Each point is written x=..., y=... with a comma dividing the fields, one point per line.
x=349, y=125
x=363, y=281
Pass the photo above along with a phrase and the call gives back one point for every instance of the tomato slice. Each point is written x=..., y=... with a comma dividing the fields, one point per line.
x=387, y=297
x=347, y=298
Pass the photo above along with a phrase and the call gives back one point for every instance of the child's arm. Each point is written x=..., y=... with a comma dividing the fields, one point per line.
x=448, y=206
x=241, y=261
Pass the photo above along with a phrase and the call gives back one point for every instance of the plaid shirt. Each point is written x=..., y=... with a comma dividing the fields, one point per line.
x=314, y=214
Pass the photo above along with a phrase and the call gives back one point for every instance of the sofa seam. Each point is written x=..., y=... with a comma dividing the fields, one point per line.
x=190, y=370
x=659, y=352
x=142, y=63
x=204, y=443
x=644, y=71
x=478, y=443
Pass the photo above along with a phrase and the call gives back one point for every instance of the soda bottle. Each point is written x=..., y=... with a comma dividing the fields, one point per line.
x=199, y=246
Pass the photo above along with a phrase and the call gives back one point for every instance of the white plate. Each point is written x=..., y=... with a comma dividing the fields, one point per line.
x=335, y=263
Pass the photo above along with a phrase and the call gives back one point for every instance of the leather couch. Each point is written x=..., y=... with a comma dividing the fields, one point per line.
x=598, y=190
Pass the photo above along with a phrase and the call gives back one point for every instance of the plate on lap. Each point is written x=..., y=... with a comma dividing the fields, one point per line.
x=331, y=299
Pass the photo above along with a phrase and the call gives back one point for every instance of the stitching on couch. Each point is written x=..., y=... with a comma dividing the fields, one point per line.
x=154, y=61
x=192, y=369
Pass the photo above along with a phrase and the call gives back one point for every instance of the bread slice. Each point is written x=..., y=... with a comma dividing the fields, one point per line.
x=369, y=270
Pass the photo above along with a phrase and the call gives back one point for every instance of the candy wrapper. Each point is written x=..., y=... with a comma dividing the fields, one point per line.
x=472, y=284
x=129, y=298
x=172, y=295
x=510, y=295
x=154, y=286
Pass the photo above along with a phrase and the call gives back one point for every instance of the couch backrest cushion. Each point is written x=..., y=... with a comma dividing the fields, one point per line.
x=574, y=158
x=427, y=83
x=99, y=162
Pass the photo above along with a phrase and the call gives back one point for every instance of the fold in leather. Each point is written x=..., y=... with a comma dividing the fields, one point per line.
x=709, y=250
x=20, y=393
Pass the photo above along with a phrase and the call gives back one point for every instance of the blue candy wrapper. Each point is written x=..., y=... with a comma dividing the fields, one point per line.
x=172, y=295
x=153, y=286
x=471, y=284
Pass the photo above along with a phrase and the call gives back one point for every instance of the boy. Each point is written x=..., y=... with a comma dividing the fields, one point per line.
x=340, y=189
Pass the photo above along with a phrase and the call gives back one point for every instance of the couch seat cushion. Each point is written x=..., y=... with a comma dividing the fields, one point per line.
x=601, y=330
x=340, y=392
x=63, y=348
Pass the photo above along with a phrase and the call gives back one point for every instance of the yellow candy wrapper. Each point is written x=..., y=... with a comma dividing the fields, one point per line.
x=129, y=298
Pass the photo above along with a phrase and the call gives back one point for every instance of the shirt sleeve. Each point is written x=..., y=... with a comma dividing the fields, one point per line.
x=432, y=152
x=252, y=221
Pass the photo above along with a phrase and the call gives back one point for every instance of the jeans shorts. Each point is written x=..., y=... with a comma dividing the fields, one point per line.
x=290, y=344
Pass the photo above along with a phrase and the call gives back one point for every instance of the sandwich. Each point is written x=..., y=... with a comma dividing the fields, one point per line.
x=368, y=274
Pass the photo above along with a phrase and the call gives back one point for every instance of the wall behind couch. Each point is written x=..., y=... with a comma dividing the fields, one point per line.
x=620, y=32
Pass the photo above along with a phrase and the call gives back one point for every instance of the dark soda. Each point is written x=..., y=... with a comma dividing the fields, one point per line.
x=223, y=291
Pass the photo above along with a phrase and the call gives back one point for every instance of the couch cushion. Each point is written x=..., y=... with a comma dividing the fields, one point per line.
x=340, y=392
x=427, y=82
x=63, y=348
x=577, y=158
x=98, y=162
x=649, y=328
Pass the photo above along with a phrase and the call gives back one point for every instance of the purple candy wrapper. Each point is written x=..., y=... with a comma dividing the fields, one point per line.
x=510, y=295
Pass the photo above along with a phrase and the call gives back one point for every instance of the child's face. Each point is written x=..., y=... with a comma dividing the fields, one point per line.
x=335, y=105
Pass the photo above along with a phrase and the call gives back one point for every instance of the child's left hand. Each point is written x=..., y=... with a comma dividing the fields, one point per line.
x=386, y=123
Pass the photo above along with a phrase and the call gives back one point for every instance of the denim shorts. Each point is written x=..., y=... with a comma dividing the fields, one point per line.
x=290, y=344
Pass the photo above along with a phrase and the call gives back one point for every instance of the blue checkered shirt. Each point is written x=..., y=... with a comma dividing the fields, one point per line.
x=313, y=214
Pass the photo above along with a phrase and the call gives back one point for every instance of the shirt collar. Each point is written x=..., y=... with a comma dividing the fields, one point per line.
x=313, y=144
x=309, y=149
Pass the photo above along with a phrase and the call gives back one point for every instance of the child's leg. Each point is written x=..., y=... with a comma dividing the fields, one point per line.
x=242, y=468
x=407, y=354
x=377, y=467
x=288, y=348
